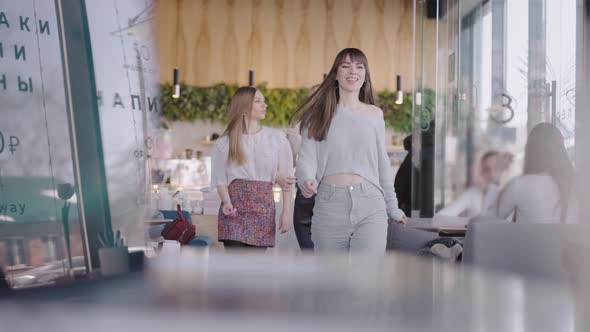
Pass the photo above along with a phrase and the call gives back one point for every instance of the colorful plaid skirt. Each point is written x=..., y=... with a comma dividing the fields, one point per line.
x=254, y=221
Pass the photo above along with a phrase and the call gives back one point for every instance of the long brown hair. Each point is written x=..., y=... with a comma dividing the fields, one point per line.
x=317, y=110
x=545, y=153
x=240, y=108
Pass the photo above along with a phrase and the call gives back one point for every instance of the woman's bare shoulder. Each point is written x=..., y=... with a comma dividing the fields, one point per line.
x=373, y=110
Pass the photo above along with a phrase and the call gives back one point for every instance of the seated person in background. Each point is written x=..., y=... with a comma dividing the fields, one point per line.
x=543, y=194
x=403, y=179
x=478, y=199
x=481, y=196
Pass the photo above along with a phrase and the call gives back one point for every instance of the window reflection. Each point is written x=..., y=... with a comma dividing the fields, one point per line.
x=516, y=67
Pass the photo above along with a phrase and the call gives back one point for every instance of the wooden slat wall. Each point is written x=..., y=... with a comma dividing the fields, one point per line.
x=289, y=43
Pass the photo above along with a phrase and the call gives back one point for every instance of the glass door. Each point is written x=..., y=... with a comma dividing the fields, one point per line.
x=502, y=67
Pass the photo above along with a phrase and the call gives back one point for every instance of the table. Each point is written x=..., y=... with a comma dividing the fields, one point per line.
x=449, y=229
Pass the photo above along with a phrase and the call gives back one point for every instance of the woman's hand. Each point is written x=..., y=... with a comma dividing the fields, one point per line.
x=228, y=209
x=403, y=220
x=309, y=188
x=286, y=182
x=284, y=223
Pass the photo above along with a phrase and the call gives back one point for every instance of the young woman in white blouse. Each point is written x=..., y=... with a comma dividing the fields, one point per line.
x=344, y=162
x=246, y=161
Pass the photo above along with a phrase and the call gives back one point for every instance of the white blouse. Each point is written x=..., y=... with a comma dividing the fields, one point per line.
x=535, y=199
x=267, y=153
x=473, y=202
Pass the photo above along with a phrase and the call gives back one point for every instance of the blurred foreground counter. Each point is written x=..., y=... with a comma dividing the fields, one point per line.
x=203, y=289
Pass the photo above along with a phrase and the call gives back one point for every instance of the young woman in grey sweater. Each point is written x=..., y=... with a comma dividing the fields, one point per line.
x=344, y=162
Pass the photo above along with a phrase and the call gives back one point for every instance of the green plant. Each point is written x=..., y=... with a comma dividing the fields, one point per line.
x=399, y=117
x=211, y=103
x=110, y=240
x=196, y=103
x=281, y=103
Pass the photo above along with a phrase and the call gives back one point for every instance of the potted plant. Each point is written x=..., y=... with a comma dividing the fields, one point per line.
x=114, y=255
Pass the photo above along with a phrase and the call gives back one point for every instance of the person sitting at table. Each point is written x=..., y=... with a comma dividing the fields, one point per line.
x=403, y=179
x=481, y=196
x=544, y=193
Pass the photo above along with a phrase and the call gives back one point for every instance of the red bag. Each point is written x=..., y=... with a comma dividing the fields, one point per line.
x=180, y=229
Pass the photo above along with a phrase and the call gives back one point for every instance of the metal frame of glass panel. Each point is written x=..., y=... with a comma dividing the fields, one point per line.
x=84, y=123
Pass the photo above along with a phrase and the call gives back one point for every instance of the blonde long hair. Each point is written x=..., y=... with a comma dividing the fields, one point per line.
x=317, y=110
x=240, y=108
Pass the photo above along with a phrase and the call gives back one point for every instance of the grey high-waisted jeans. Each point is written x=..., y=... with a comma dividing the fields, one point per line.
x=350, y=218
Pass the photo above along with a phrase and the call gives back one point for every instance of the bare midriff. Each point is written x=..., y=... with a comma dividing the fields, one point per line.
x=346, y=178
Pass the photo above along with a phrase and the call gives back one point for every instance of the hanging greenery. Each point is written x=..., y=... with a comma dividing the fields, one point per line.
x=211, y=103
x=399, y=117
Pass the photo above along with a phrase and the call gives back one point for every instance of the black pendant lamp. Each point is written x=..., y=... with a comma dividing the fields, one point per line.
x=176, y=92
x=176, y=80
x=399, y=94
x=251, y=77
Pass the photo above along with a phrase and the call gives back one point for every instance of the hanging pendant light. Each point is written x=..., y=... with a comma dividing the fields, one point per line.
x=176, y=92
x=176, y=80
x=400, y=95
x=251, y=77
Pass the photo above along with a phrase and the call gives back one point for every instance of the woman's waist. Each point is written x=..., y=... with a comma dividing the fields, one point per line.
x=342, y=179
x=347, y=175
x=247, y=183
x=363, y=186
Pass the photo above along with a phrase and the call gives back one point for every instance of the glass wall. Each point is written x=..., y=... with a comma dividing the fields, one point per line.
x=423, y=112
x=40, y=228
x=79, y=96
x=127, y=83
x=502, y=67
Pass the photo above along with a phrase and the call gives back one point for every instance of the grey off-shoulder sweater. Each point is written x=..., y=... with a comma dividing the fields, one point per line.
x=355, y=144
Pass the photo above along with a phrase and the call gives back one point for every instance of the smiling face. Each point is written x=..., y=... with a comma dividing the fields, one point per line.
x=351, y=75
x=258, y=111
